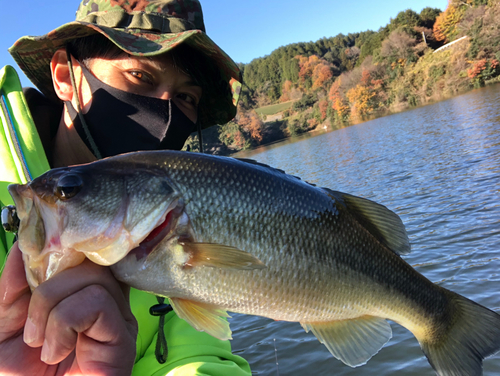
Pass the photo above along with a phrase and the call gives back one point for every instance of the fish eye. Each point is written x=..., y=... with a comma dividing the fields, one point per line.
x=68, y=186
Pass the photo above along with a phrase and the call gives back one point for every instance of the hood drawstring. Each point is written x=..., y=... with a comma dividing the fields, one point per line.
x=161, y=309
x=200, y=137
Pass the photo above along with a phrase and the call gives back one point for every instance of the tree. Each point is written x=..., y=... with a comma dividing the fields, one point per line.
x=482, y=71
x=407, y=20
x=398, y=46
x=230, y=135
x=314, y=72
x=365, y=97
x=361, y=101
x=321, y=74
x=428, y=16
x=285, y=91
x=250, y=124
x=307, y=65
x=242, y=133
x=349, y=58
x=445, y=27
x=246, y=100
x=323, y=108
x=265, y=76
x=339, y=105
x=373, y=43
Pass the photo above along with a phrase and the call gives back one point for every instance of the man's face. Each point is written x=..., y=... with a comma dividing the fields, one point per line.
x=157, y=77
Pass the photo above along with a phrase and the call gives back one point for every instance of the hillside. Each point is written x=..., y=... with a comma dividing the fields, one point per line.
x=338, y=81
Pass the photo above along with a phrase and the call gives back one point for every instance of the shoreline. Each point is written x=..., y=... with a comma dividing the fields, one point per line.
x=274, y=134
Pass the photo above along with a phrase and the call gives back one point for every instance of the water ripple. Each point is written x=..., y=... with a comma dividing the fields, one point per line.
x=438, y=167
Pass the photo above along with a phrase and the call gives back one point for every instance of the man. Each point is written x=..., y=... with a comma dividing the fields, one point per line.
x=125, y=76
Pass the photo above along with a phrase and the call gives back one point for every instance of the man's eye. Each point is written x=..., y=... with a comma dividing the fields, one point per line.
x=138, y=75
x=141, y=76
x=187, y=98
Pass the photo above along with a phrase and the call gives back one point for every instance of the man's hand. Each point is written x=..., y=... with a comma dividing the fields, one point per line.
x=78, y=322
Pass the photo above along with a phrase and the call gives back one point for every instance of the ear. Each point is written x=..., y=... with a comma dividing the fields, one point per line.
x=60, y=75
x=61, y=79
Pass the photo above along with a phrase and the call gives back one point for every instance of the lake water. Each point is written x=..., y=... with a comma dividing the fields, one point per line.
x=438, y=167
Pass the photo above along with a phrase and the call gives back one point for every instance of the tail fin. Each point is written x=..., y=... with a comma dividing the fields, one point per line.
x=473, y=334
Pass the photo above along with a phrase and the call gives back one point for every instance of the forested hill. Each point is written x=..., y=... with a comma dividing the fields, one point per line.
x=264, y=77
x=336, y=81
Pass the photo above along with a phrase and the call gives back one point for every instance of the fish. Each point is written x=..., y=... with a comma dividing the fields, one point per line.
x=217, y=234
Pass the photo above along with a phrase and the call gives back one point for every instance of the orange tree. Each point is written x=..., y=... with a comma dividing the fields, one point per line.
x=340, y=106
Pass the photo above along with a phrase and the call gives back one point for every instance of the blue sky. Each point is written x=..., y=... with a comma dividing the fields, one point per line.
x=244, y=29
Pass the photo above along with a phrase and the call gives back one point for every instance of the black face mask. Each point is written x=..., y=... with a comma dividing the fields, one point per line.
x=121, y=122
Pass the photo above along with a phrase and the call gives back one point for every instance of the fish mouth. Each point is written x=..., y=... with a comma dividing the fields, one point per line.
x=39, y=240
x=32, y=226
x=166, y=229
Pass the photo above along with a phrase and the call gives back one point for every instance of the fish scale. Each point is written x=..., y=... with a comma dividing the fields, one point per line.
x=235, y=235
x=289, y=205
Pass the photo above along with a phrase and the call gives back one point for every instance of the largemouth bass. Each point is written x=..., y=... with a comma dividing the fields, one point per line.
x=217, y=234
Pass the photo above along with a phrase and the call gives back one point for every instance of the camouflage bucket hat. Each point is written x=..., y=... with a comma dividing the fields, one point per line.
x=139, y=28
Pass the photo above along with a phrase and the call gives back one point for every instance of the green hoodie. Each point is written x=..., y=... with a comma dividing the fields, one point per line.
x=22, y=158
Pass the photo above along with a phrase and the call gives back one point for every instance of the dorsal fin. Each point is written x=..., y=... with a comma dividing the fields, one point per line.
x=257, y=163
x=273, y=169
x=383, y=224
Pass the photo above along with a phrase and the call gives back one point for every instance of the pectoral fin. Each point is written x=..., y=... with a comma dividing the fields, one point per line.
x=353, y=341
x=203, y=317
x=219, y=256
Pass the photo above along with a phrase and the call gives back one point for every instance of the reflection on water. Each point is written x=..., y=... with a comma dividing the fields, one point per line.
x=438, y=167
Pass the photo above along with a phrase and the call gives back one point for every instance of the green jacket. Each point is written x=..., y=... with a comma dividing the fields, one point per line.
x=22, y=158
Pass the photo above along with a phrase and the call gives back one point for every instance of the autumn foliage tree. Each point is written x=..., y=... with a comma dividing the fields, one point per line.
x=339, y=105
x=286, y=91
x=244, y=132
x=306, y=65
x=445, y=27
x=251, y=124
x=314, y=72
x=363, y=97
x=323, y=108
x=483, y=70
x=231, y=135
x=321, y=74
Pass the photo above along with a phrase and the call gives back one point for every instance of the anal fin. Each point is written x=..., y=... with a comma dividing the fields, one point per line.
x=352, y=341
x=203, y=317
